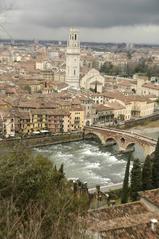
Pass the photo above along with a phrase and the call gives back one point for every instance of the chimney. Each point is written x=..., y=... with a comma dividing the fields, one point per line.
x=153, y=224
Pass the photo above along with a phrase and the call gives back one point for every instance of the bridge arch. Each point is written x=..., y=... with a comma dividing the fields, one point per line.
x=112, y=141
x=122, y=140
x=95, y=136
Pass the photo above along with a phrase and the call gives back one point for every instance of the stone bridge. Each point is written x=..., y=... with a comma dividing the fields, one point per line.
x=124, y=139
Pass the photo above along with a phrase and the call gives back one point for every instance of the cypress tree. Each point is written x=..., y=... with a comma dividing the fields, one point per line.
x=155, y=167
x=61, y=171
x=147, y=174
x=96, y=87
x=125, y=189
x=55, y=168
x=136, y=180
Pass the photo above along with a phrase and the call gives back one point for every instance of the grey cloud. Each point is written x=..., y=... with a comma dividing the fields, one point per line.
x=90, y=13
x=99, y=20
x=6, y=5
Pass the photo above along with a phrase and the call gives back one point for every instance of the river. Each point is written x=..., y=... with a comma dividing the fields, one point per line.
x=91, y=162
x=88, y=161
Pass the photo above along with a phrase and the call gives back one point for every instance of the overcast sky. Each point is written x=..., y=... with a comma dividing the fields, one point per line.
x=98, y=20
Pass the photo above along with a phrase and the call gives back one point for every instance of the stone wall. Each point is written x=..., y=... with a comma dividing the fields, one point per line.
x=133, y=123
x=38, y=141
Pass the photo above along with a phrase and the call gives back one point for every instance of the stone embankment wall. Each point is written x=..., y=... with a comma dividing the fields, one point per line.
x=141, y=121
x=39, y=141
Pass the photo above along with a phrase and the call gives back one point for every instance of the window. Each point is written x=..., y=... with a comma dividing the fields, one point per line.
x=75, y=37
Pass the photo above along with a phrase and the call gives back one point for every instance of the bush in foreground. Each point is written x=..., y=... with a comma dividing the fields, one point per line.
x=36, y=201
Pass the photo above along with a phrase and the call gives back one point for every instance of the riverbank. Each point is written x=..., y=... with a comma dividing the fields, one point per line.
x=42, y=141
x=106, y=189
x=150, y=129
x=141, y=121
x=153, y=124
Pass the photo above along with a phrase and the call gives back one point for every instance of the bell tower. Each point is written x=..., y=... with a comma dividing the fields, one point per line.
x=73, y=59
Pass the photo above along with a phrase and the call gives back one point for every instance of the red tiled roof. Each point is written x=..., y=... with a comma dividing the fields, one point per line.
x=151, y=86
x=126, y=221
x=151, y=196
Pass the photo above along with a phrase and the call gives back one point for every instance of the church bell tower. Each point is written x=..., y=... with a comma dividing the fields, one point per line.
x=73, y=59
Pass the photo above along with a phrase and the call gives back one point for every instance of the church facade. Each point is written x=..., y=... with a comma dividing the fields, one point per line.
x=93, y=80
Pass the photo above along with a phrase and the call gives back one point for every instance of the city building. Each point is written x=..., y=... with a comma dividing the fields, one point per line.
x=93, y=80
x=76, y=118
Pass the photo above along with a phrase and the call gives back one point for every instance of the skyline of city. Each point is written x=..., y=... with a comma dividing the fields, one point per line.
x=79, y=123
x=98, y=21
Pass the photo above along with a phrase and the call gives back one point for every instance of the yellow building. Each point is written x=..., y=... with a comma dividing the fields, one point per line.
x=76, y=118
x=38, y=120
x=23, y=123
x=143, y=108
x=66, y=123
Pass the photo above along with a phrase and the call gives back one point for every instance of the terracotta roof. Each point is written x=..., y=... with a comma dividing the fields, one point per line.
x=151, y=196
x=102, y=108
x=23, y=115
x=76, y=108
x=126, y=221
x=50, y=112
x=151, y=86
x=141, y=231
x=115, y=106
x=127, y=99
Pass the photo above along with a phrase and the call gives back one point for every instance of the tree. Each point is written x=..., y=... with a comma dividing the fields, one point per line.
x=34, y=202
x=125, y=190
x=27, y=88
x=155, y=167
x=61, y=171
x=129, y=55
x=147, y=174
x=106, y=68
x=136, y=180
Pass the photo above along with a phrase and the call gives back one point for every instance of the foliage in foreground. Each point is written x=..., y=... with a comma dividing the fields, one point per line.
x=155, y=167
x=36, y=201
x=147, y=174
x=125, y=189
x=136, y=180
